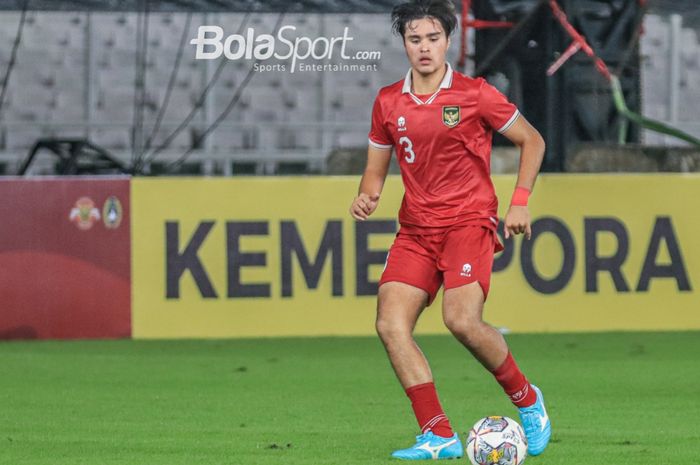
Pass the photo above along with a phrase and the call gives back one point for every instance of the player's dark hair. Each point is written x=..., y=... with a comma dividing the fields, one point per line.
x=442, y=10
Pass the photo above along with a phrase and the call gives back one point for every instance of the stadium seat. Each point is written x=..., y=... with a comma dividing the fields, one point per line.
x=304, y=105
x=182, y=141
x=226, y=140
x=300, y=80
x=112, y=138
x=265, y=106
x=356, y=105
x=689, y=97
x=306, y=138
x=69, y=106
x=9, y=20
x=22, y=139
x=351, y=139
x=297, y=137
x=115, y=105
x=31, y=104
x=221, y=98
x=265, y=23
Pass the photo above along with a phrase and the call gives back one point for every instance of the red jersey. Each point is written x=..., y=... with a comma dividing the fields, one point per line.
x=443, y=145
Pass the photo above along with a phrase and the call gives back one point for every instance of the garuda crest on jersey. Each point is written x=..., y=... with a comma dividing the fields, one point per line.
x=450, y=116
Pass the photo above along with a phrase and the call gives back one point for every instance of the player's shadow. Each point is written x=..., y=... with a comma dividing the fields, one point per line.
x=20, y=332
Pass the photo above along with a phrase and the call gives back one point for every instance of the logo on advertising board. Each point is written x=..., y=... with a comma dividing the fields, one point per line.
x=84, y=214
x=112, y=213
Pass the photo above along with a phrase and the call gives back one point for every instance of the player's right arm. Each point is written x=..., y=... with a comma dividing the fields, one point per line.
x=372, y=182
x=378, y=159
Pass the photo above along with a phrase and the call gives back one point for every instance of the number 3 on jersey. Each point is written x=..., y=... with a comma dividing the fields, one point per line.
x=411, y=157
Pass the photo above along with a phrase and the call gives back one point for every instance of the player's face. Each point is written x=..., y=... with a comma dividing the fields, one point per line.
x=426, y=45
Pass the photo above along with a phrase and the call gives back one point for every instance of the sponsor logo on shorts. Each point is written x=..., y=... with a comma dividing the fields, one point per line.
x=466, y=270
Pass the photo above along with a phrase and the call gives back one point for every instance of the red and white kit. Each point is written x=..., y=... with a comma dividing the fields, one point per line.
x=449, y=213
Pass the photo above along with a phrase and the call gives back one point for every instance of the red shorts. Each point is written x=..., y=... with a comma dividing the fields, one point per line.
x=456, y=257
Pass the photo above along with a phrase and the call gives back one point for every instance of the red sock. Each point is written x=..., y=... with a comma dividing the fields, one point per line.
x=428, y=410
x=514, y=383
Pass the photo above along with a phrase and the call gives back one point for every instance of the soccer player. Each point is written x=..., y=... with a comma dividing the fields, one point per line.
x=440, y=123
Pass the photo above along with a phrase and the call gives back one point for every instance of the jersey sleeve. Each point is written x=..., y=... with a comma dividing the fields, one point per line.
x=495, y=109
x=379, y=137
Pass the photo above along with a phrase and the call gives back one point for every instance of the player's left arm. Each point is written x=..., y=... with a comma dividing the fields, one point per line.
x=531, y=145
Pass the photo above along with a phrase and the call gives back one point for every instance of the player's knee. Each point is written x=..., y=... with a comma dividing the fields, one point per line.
x=456, y=323
x=391, y=329
x=468, y=334
x=466, y=326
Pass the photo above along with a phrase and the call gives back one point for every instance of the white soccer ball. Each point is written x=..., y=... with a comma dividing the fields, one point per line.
x=496, y=441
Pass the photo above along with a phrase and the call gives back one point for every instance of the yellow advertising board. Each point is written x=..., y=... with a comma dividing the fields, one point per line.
x=244, y=257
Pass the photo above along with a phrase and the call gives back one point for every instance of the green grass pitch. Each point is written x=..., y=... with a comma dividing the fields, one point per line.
x=614, y=398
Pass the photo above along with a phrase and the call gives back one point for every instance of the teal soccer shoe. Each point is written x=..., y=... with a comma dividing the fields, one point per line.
x=431, y=447
x=536, y=424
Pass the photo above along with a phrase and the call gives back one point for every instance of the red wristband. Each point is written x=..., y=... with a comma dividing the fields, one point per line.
x=520, y=197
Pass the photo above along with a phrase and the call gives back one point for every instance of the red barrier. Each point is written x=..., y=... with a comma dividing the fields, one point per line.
x=65, y=258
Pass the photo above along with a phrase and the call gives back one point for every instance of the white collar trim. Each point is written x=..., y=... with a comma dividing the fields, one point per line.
x=445, y=84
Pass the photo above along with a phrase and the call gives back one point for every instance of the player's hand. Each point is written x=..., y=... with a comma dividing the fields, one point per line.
x=363, y=206
x=517, y=221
